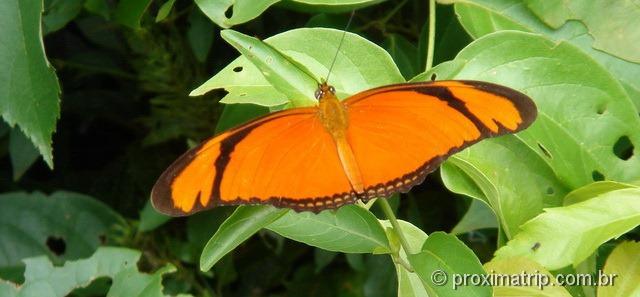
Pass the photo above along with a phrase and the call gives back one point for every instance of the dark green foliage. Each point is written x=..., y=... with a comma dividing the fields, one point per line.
x=118, y=111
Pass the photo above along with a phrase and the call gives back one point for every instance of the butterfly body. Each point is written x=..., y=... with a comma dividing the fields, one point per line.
x=372, y=144
x=334, y=117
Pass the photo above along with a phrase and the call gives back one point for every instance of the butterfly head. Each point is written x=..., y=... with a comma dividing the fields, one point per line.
x=323, y=90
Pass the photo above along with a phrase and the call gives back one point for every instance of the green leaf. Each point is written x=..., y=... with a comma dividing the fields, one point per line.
x=585, y=226
x=404, y=54
x=409, y=283
x=481, y=17
x=356, y=261
x=151, y=219
x=328, y=6
x=164, y=10
x=282, y=73
x=379, y=280
x=514, y=198
x=520, y=266
x=29, y=88
x=238, y=227
x=129, y=12
x=612, y=25
x=553, y=12
x=322, y=258
x=57, y=13
x=349, y=229
x=236, y=114
x=593, y=190
x=202, y=226
x=43, y=279
x=22, y=152
x=360, y=65
x=443, y=255
x=200, y=35
x=29, y=221
x=478, y=216
x=99, y=7
x=625, y=264
x=578, y=101
x=228, y=13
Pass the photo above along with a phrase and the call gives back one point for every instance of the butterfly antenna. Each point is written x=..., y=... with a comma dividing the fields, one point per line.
x=344, y=33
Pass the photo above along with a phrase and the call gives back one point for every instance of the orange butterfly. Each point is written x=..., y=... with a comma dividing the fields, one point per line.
x=373, y=144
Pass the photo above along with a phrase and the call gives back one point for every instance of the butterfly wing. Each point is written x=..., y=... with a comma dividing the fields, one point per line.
x=286, y=159
x=400, y=133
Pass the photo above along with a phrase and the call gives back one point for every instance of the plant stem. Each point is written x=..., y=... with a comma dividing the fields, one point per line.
x=386, y=208
x=432, y=34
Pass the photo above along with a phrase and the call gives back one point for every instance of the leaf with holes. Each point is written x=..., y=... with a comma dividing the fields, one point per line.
x=43, y=279
x=613, y=26
x=585, y=226
x=511, y=178
x=481, y=17
x=29, y=88
x=582, y=113
x=228, y=13
x=360, y=65
x=64, y=226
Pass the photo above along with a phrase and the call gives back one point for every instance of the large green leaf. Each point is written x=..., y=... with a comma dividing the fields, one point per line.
x=491, y=166
x=613, y=25
x=567, y=235
x=238, y=227
x=481, y=17
x=524, y=266
x=625, y=264
x=350, y=229
x=582, y=113
x=43, y=279
x=64, y=226
x=444, y=257
x=360, y=65
x=29, y=88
